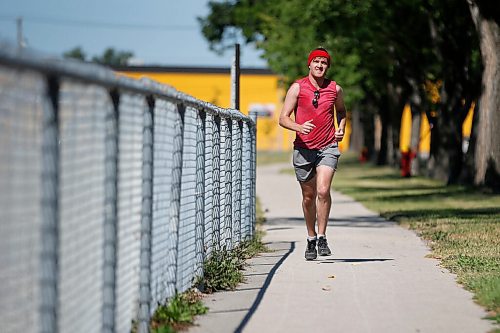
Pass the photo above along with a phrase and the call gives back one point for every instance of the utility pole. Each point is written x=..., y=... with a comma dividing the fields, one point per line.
x=235, y=79
x=20, y=38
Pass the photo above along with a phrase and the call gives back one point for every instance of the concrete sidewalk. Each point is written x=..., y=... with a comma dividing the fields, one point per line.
x=377, y=280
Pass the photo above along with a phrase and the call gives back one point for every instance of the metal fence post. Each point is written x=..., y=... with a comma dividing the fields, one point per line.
x=200, y=192
x=49, y=257
x=208, y=223
x=246, y=167
x=110, y=215
x=216, y=181
x=146, y=217
x=236, y=183
x=235, y=78
x=228, y=211
x=253, y=203
x=175, y=198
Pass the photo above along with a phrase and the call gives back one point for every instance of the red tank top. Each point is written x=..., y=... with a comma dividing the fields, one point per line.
x=322, y=116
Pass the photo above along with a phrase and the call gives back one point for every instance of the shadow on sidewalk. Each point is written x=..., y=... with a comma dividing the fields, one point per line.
x=267, y=282
x=353, y=260
x=362, y=221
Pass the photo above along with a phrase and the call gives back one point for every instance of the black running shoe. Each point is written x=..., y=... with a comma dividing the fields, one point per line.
x=323, y=249
x=311, y=253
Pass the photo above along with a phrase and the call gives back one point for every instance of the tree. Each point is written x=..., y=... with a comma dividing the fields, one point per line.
x=457, y=67
x=486, y=17
x=384, y=52
x=75, y=53
x=112, y=57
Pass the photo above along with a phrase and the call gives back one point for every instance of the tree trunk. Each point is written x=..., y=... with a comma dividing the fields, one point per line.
x=371, y=141
x=384, y=138
x=391, y=123
x=385, y=135
x=487, y=149
x=415, y=139
x=446, y=137
x=357, y=131
x=416, y=112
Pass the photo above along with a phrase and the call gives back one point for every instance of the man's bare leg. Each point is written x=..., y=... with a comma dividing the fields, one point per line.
x=324, y=202
x=324, y=176
x=309, y=204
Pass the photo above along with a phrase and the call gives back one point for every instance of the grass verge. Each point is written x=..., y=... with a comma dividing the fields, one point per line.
x=460, y=224
x=271, y=157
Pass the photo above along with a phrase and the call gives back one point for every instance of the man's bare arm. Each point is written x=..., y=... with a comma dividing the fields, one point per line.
x=288, y=106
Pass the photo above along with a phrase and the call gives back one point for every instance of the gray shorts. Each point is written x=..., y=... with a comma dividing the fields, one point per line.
x=305, y=160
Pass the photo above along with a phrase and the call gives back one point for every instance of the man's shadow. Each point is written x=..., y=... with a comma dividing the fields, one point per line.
x=264, y=287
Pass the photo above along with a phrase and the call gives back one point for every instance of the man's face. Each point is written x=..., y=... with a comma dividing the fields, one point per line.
x=318, y=66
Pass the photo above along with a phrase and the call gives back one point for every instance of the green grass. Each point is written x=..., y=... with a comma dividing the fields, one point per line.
x=271, y=157
x=178, y=313
x=460, y=224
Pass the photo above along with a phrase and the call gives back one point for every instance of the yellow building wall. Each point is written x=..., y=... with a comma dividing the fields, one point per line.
x=467, y=125
x=405, y=130
x=424, y=145
x=213, y=88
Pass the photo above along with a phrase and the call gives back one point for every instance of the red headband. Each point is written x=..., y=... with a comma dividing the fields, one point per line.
x=318, y=53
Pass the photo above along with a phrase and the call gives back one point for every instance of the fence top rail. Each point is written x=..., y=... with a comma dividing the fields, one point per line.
x=14, y=57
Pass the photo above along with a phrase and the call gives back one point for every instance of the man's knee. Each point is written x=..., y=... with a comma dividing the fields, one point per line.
x=324, y=193
x=308, y=199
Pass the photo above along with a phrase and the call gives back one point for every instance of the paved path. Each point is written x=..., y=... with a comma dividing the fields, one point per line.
x=377, y=280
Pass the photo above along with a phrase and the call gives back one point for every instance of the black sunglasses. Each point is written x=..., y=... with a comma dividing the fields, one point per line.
x=316, y=98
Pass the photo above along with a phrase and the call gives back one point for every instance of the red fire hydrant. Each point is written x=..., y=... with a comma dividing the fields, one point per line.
x=363, y=157
x=406, y=158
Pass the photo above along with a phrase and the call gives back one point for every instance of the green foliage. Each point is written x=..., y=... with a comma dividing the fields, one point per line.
x=113, y=57
x=487, y=289
x=75, y=53
x=383, y=53
x=110, y=56
x=178, y=313
x=252, y=247
x=223, y=269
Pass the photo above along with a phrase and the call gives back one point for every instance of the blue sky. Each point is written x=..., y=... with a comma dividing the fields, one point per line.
x=158, y=32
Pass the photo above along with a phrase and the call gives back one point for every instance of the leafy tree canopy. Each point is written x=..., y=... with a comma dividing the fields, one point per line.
x=75, y=53
x=110, y=56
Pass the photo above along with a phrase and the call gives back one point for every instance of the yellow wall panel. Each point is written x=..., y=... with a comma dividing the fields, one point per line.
x=405, y=130
x=424, y=145
x=467, y=124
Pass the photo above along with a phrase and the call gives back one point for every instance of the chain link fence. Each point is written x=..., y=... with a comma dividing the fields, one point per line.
x=113, y=194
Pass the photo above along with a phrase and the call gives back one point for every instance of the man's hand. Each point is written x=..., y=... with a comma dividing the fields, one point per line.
x=339, y=134
x=306, y=127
